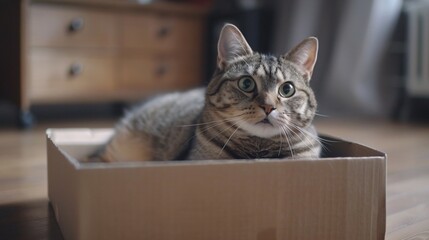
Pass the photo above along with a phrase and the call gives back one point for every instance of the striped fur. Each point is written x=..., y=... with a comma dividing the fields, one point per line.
x=227, y=120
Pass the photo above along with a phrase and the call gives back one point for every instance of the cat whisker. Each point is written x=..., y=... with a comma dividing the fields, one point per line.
x=218, y=121
x=210, y=127
x=280, y=148
x=227, y=141
x=311, y=135
x=316, y=114
x=307, y=142
x=310, y=140
x=294, y=133
x=219, y=133
x=207, y=128
x=205, y=123
x=287, y=139
x=303, y=132
x=321, y=115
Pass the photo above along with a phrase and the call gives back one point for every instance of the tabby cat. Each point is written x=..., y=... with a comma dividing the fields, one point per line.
x=255, y=106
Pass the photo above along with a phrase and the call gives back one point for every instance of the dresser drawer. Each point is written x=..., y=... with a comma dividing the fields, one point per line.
x=157, y=33
x=60, y=26
x=158, y=74
x=58, y=75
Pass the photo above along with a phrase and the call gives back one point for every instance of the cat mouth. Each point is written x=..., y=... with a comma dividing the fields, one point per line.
x=265, y=121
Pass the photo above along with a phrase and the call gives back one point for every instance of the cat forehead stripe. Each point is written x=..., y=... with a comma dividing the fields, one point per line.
x=260, y=71
x=280, y=75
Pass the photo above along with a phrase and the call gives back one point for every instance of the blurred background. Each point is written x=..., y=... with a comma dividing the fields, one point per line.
x=74, y=59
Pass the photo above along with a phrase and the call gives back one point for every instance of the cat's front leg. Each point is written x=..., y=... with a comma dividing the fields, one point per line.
x=125, y=146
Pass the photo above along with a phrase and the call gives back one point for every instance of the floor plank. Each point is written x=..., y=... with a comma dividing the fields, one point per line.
x=23, y=173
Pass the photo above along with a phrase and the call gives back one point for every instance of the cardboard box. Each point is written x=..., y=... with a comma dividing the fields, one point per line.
x=340, y=196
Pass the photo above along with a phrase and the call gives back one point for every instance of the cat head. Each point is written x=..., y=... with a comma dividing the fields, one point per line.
x=262, y=94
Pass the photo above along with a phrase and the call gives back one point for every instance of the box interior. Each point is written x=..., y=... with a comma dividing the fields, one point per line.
x=77, y=144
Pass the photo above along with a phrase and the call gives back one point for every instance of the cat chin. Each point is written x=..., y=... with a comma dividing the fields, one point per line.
x=263, y=130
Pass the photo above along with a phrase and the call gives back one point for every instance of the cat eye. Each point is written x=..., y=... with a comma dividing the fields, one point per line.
x=287, y=90
x=246, y=84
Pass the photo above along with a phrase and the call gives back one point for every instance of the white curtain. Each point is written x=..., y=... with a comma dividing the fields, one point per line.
x=353, y=36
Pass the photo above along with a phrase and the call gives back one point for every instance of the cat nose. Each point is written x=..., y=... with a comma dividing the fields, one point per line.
x=267, y=108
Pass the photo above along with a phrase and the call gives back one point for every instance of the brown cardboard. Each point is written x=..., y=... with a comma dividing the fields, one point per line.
x=340, y=196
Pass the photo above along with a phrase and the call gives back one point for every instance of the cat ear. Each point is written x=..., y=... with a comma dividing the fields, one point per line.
x=231, y=45
x=305, y=54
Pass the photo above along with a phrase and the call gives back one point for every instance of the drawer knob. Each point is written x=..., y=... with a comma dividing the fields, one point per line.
x=76, y=24
x=75, y=69
x=161, y=70
x=163, y=32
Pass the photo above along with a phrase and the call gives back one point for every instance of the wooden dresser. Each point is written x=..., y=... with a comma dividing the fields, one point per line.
x=78, y=51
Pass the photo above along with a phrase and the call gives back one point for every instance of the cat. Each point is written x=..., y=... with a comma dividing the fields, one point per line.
x=255, y=106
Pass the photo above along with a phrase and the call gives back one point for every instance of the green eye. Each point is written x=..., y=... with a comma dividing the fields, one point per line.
x=246, y=84
x=287, y=90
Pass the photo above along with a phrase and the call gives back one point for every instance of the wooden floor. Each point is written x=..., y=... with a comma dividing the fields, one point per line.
x=23, y=169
